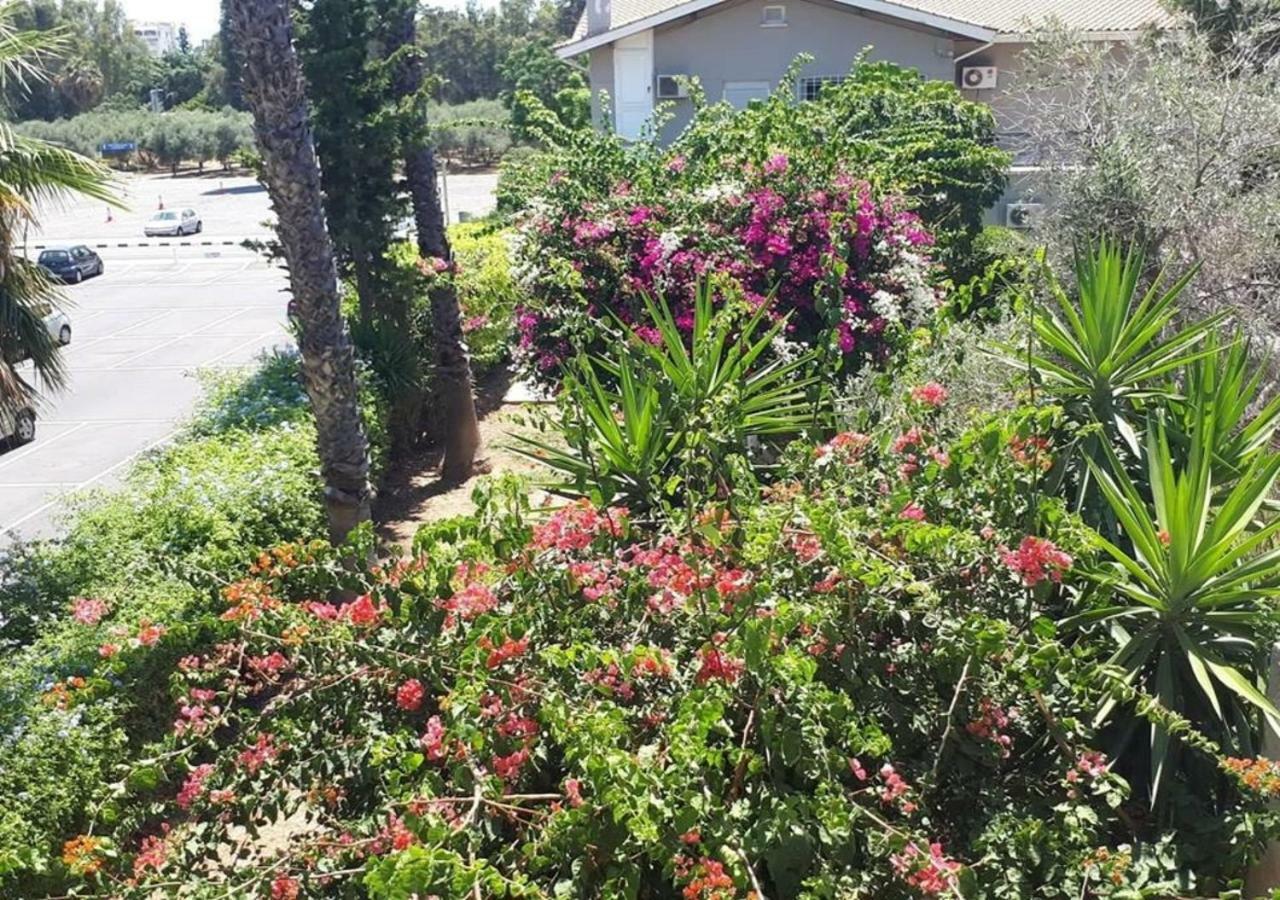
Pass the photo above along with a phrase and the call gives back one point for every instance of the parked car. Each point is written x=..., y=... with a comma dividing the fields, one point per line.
x=72, y=263
x=18, y=428
x=58, y=324
x=173, y=223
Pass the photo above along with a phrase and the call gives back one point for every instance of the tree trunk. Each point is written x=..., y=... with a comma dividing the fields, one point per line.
x=272, y=86
x=453, y=384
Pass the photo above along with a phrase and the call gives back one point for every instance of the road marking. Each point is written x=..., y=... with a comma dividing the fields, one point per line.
x=181, y=337
x=108, y=337
x=91, y=481
x=20, y=455
x=238, y=347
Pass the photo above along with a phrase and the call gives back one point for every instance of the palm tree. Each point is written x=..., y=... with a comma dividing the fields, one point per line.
x=453, y=383
x=80, y=83
x=273, y=89
x=32, y=173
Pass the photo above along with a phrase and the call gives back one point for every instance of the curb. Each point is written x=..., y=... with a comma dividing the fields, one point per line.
x=131, y=244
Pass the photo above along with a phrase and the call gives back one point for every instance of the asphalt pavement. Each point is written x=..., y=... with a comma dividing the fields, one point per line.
x=165, y=309
x=139, y=335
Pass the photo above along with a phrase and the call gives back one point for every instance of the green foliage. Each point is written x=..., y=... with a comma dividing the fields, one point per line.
x=487, y=291
x=1196, y=615
x=668, y=420
x=476, y=133
x=167, y=139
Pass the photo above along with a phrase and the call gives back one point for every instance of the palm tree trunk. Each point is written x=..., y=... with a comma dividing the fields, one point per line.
x=273, y=88
x=453, y=384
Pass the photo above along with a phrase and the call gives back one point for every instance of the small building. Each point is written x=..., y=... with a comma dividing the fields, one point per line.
x=635, y=50
x=160, y=37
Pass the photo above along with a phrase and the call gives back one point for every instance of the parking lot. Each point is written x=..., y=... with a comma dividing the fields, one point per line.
x=140, y=333
x=165, y=309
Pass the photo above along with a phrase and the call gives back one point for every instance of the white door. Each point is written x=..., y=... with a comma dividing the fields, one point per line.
x=739, y=93
x=632, y=83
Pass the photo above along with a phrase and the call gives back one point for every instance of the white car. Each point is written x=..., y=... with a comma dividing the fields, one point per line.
x=18, y=428
x=173, y=223
x=59, y=325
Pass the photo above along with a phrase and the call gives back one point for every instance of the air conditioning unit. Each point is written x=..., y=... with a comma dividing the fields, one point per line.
x=1022, y=215
x=979, y=78
x=672, y=87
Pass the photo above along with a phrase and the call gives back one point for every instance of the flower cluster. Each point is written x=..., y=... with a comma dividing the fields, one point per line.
x=932, y=873
x=849, y=270
x=1036, y=560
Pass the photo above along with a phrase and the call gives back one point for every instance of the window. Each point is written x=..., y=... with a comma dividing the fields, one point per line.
x=773, y=16
x=811, y=88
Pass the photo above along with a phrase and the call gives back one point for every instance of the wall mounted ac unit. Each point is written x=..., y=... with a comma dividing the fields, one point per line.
x=979, y=78
x=1022, y=215
x=672, y=87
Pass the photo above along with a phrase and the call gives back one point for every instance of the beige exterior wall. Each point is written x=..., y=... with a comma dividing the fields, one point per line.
x=728, y=44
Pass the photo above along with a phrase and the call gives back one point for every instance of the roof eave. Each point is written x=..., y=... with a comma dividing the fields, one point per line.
x=1027, y=37
x=880, y=7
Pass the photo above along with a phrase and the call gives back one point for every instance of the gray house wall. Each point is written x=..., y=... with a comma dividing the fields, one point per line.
x=728, y=44
x=600, y=75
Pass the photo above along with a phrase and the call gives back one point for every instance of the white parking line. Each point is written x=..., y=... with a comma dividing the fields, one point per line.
x=11, y=458
x=107, y=337
x=238, y=347
x=181, y=337
x=91, y=481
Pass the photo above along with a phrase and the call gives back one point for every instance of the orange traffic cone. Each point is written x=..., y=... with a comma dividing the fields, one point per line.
x=161, y=206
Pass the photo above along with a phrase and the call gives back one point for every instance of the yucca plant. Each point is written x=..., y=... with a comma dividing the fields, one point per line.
x=1193, y=602
x=1226, y=383
x=659, y=420
x=1107, y=353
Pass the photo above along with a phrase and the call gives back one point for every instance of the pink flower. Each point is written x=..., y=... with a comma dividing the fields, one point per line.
x=677, y=164
x=326, y=611
x=108, y=650
x=432, y=741
x=89, y=611
x=931, y=393
x=409, y=695
x=262, y=752
x=193, y=787
x=472, y=601
x=855, y=766
x=912, y=512
x=776, y=164
x=154, y=853
x=932, y=874
x=1035, y=560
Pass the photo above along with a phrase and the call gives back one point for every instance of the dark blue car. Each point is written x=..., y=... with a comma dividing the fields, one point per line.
x=72, y=263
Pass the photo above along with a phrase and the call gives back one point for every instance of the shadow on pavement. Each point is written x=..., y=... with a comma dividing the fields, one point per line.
x=243, y=189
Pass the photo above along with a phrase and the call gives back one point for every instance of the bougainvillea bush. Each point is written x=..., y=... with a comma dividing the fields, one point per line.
x=843, y=213
x=848, y=684
x=849, y=270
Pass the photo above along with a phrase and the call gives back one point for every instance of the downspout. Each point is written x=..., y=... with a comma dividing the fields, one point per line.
x=974, y=52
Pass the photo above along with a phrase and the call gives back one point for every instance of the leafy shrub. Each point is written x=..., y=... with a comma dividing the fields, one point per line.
x=652, y=422
x=487, y=290
x=156, y=550
x=166, y=139
x=477, y=133
x=799, y=693
x=848, y=270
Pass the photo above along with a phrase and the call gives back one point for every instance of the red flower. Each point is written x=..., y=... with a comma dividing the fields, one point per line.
x=409, y=695
x=108, y=650
x=508, y=767
x=361, y=612
x=149, y=635
x=717, y=665
x=510, y=649
x=573, y=792
x=326, y=611
x=931, y=874
x=284, y=888
x=1035, y=560
x=261, y=753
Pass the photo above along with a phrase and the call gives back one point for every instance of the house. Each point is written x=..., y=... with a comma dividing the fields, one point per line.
x=739, y=49
x=160, y=37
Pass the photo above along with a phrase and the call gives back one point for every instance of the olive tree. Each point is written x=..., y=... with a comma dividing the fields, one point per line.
x=1168, y=142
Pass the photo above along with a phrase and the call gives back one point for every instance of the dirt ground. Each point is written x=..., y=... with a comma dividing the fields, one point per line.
x=412, y=492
